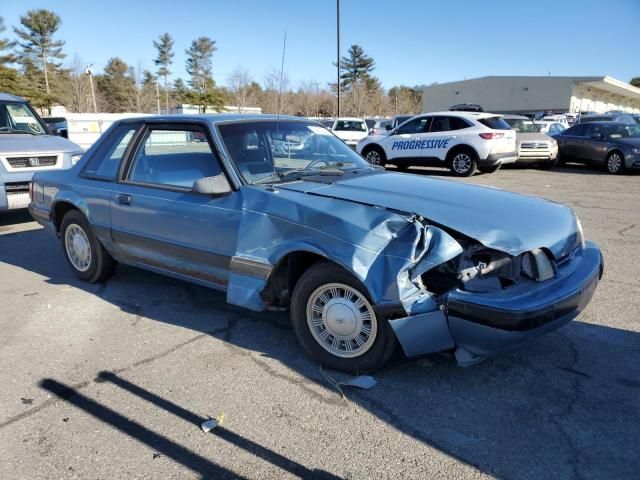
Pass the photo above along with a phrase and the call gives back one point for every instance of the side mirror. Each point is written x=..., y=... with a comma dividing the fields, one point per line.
x=596, y=136
x=218, y=185
x=388, y=127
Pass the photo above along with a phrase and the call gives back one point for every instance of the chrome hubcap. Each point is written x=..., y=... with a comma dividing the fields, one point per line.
x=373, y=157
x=461, y=163
x=341, y=320
x=78, y=247
x=614, y=163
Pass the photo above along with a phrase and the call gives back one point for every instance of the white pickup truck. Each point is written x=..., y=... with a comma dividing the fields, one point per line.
x=27, y=146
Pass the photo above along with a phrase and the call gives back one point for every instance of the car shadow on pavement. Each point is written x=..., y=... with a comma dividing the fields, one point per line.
x=162, y=444
x=565, y=406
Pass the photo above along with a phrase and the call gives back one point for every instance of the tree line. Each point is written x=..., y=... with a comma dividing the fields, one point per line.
x=32, y=66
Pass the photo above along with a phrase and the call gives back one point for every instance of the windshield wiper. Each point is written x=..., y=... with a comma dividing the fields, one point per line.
x=15, y=130
x=282, y=176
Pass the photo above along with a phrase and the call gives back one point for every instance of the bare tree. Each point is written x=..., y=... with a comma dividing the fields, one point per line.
x=80, y=89
x=145, y=88
x=272, y=99
x=307, y=99
x=239, y=83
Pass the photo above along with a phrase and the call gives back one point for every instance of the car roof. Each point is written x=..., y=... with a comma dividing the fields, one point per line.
x=608, y=122
x=7, y=97
x=350, y=119
x=456, y=113
x=212, y=118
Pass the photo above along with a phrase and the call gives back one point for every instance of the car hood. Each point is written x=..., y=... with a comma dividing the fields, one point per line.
x=632, y=142
x=505, y=221
x=24, y=143
x=346, y=135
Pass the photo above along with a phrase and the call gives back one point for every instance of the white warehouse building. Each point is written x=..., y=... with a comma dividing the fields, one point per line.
x=507, y=94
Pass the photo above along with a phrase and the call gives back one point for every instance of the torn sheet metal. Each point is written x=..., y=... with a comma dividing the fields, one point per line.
x=423, y=333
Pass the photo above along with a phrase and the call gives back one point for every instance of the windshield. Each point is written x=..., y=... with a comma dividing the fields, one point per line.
x=622, y=131
x=350, y=126
x=521, y=125
x=16, y=117
x=296, y=148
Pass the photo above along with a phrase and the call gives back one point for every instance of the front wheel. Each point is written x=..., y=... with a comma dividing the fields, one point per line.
x=375, y=156
x=84, y=253
x=615, y=163
x=335, y=322
x=463, y=163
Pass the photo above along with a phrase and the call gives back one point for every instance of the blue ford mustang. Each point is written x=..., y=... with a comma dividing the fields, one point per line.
x=279, y=213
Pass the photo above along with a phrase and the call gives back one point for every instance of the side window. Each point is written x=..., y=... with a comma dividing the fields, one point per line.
x=578, y=130
x=105, y=161
x=593, y=130
x=418, y=125
x=446, y=124
x=174, y=158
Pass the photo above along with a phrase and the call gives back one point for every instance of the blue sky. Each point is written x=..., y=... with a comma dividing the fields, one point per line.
x=412, y=41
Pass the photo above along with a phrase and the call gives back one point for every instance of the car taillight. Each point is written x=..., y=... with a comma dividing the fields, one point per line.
x=491, y=135
x=31, y=191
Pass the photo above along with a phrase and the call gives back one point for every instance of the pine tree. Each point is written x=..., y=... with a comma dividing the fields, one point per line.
x=355, y=67
x=37, y=43
x=116, y=87
x=198, y=63
x=5, y=44
x=164, y=45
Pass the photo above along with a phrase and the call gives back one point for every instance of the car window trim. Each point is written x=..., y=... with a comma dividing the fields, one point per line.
x=147, y=127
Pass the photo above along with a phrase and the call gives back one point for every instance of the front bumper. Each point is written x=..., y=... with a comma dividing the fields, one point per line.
x=479, y=325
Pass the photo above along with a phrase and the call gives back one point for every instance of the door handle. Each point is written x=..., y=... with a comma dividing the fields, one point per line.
x=123, y=199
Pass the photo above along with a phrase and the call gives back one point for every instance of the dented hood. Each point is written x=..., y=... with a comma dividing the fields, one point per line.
x=505, y=221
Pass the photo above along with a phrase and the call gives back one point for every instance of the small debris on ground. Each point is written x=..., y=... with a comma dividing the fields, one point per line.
x=361, y=381
x=26, y=401
x=65, y=419
x=156, y=455
x=212, y=423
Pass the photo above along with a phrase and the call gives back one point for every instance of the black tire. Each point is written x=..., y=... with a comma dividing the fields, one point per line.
x=491, y=169
x=402, y=167
x=100, y=265
x=463, y=162
x=318, y=277
x=375, y=155
x=615, y=163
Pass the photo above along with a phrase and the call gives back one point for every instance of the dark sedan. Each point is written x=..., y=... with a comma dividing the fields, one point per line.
x=615, y=145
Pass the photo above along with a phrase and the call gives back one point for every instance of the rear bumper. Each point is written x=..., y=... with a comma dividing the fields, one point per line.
x=41, y=216
x=479, y=325
x=494, y=159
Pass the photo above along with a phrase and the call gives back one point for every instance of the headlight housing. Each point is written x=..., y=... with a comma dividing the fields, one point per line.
x=580, y=232
x=75, y=158
x=635, y=150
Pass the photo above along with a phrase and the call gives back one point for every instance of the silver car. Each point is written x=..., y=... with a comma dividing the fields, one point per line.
x=533, y=146
x=26, y=147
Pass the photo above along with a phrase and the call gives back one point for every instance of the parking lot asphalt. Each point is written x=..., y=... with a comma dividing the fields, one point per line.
x=113, y=380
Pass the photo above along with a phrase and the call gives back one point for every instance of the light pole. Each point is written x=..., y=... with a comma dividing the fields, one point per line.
x=338, y=50
x=93, y=93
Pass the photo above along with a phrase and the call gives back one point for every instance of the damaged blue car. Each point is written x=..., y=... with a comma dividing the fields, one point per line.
x=281, y=214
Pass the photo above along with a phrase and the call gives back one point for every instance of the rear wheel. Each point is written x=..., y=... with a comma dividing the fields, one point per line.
x=615, y=163
x=84, y=253
x=375, y=156
x=463, y=163
x=335, y=322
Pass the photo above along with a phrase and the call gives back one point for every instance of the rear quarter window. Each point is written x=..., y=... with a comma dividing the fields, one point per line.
x=105, y=161
x=495, y=123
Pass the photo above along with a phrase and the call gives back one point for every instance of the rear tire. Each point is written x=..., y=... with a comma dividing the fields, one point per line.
x=375, y=156
x=615, y=163
x=463, y=163
x=334, y=320
x=84, y=253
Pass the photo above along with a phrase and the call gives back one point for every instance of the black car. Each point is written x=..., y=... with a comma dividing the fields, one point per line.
x=615, y=145
x=57, y=125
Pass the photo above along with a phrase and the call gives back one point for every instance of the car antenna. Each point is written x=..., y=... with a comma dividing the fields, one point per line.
x=284, y=46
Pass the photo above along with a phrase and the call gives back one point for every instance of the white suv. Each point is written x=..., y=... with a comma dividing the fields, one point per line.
x=461, y=141
x=350, y=130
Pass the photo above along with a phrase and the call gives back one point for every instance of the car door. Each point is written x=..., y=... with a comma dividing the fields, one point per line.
x=445, y=131
x=406, y=140
x=570, y=141
x=594, y=147
x=158, y=220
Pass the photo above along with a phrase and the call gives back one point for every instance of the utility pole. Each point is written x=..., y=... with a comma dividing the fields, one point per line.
x=93, y=93
x=338, y=50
